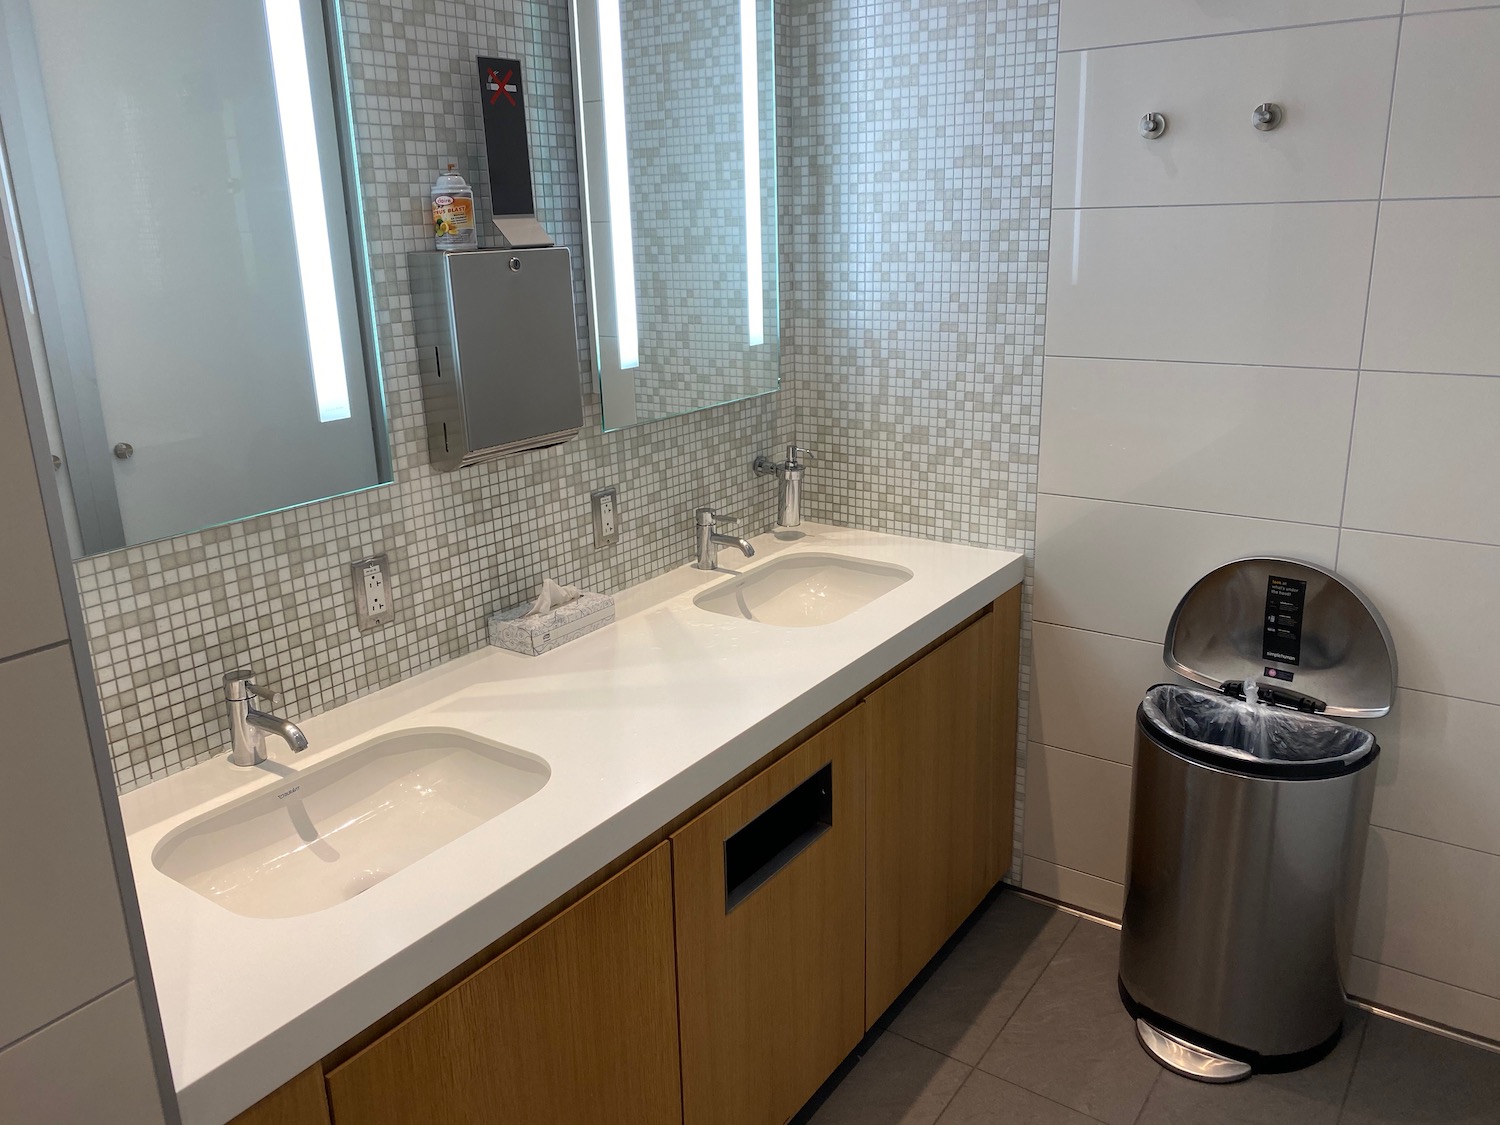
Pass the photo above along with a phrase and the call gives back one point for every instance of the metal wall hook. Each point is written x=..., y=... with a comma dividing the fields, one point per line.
x=1266, y=116
x=1153, y=125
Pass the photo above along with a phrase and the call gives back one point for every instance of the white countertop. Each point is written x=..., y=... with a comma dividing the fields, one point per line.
x=638, y=722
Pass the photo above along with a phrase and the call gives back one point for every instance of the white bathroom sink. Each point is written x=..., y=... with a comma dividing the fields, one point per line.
x=803, y=590
x=327, y=833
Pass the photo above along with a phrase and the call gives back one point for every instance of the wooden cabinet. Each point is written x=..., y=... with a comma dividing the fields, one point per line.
x=802, y=902
x=576, y=1023
x=932, y=794
x=302, y=1101
x=770, y=933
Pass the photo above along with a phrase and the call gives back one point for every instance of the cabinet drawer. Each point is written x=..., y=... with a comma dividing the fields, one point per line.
x=577, y=1023
x=770, y=933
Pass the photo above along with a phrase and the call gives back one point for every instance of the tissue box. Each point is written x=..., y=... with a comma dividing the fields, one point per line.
x=533, y=636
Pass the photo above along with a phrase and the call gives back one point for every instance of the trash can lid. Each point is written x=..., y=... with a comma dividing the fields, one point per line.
x=1251, y=738
x=1294, y=625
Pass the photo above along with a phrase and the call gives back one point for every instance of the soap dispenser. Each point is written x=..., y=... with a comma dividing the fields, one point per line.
x=789, y=477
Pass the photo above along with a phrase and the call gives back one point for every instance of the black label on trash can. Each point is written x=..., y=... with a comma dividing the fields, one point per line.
x=1282, y=638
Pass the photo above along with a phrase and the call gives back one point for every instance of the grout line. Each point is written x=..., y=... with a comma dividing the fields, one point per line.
x=1231, y=34
x=1446, y=844
x=1140, y=1117
x=1354, y=1066
x=55, y=1020
x=1352, y=199
x=1272, y=366
x=1364, y=331
x=1199, y=511
x=1269, y=519
x=34, y=651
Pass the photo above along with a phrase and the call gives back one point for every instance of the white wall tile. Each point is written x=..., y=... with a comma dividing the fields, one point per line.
x=1427, y=999
x=1416, y=7
x=1087, y=892
x=1333, y=82
x=1432, y=909
x=1441, y=601
x=68, y=944
x=1077, y=811
x=93, y=1066
x=1099, y=23
x=30, y=605
x=1437, y=775
x=1425, y=457
x=1085, y=687
x=1274, y=283
x=1254, y=441
x=1122, y=568
x=1445, y=137
x=1436, y=286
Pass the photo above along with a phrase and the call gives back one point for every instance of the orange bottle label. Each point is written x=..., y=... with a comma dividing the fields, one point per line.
x=451, y=214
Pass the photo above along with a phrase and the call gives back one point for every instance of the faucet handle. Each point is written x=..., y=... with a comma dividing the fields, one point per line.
x=707, y=517
x=240, y=681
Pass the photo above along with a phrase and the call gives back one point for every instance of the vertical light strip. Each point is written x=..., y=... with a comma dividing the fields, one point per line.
x=299, y=145
x=617, y=181
x=750, y=114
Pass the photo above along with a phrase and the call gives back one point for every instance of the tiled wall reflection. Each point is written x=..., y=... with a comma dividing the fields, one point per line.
x=166, y=620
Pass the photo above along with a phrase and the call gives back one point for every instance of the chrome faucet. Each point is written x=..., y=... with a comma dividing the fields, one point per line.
x=789, y=475
x=248, y=727
x=709, y=539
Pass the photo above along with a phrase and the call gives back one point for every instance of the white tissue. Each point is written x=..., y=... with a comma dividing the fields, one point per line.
x=550, y=595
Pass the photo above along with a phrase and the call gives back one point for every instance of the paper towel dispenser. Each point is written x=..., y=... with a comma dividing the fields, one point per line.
x=498, y=351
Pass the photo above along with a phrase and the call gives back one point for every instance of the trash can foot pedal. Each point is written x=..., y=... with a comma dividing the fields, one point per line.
x=1188, y=1059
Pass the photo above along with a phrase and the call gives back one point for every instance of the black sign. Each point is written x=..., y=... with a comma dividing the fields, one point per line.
x=1282, y=637
x=503, y=98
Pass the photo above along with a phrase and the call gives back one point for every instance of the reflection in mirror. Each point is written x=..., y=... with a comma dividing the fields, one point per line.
x=191, y=281
x=678, y=150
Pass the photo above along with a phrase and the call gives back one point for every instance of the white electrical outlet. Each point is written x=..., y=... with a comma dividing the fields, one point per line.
x=372, y=591
x=606, y=517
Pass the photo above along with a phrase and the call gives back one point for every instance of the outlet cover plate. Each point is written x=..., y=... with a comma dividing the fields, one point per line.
x=371, y=579
x=606, y=517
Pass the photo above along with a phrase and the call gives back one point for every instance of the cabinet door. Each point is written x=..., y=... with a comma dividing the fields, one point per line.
x=931, y=772
x=301, y=1101
x=577, y=1023
x=770, y=933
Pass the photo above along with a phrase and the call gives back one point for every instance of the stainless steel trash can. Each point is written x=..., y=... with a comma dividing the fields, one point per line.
x=1249, y=814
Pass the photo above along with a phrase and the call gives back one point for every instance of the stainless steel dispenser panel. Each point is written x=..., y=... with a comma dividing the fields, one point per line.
x=498, y=346
x=1290, y=623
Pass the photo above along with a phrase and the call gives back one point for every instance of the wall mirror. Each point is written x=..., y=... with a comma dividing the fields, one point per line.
x=676, y=123
x=181, y=207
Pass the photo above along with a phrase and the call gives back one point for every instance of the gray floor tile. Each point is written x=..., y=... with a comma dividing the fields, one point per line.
x=1312, y=1096
x=897, y=1082
x=987, y=1100
x=964, y=1004
x=1071, y=1039
x=1409, y=1077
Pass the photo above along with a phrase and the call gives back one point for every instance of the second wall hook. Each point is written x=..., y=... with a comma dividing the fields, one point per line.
x=1266, y=116
x=1153, y=125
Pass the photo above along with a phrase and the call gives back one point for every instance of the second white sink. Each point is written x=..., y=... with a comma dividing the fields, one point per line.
x=803, y=590
x=331, y=831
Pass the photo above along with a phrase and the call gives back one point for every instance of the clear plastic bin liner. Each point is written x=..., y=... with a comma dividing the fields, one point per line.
x=1222, y=726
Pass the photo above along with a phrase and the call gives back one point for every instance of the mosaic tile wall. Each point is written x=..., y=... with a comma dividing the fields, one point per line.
x=918, y=209
x=167, y=619
x=914, y=156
